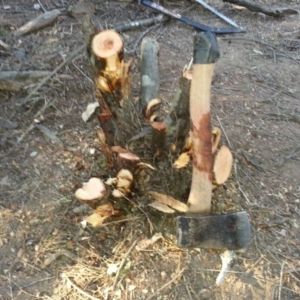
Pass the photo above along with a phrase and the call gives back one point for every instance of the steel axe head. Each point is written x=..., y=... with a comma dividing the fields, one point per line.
x=230, y=231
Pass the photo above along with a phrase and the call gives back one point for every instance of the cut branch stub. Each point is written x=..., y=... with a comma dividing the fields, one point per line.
x=116, y=116
x=91, y=192
x=107, y=46
x=222, y=165
x=159, y=133
x=206, y=53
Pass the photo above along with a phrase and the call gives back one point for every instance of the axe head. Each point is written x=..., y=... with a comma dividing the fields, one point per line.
x=230, y=231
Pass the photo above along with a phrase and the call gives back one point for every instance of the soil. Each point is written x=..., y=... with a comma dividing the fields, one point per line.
x=46, y=252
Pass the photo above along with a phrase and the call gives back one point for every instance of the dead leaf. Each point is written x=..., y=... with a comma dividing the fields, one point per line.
x=170, y=201
x=182, y=160
x=161, y=207
x=90, y=109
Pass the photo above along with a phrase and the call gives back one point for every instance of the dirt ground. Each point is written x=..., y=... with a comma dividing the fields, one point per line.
x=45, y=253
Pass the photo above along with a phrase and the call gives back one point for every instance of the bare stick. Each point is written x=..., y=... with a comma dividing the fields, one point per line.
x=227, y=139
x=123, y=263
x=280, y=281
x=255, y=7
x=64, y=276
x=39, y=22
x=16, y=80
x=167, y=284
x=240, y=189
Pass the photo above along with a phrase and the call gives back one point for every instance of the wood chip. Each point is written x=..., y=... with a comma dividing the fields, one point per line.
x=161, y=207
x=170, y=201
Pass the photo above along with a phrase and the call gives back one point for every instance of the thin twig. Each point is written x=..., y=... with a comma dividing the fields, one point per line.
x=10, y=288
x=227, y=139
x=70, y=57
x=167, y=284
x=43, y=8
x=142, y=36
x=239, y=187
x=280, y=281
x=35, y=282
x=266, y=44
x=64, y=276
x=123, y=263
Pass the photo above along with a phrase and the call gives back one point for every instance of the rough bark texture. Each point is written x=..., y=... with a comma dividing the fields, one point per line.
x=149, y=70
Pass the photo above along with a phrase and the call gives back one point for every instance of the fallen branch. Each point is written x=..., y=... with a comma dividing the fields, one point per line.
x=273, y=12
x=14, y=80
x=39, y=22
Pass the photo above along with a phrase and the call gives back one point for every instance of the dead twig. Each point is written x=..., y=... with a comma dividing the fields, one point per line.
x=280, y=281
x=39, y=22
x=266, y=44
x=138, y=40
x=82, y=292
x=255, y=7
x=123, y=263
x=292, y=154
x=240, y=189
x=167, y=284
x=227, y=139
x=70, y=57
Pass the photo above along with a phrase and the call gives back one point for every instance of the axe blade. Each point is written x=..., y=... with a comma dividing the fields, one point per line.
x=230, y=231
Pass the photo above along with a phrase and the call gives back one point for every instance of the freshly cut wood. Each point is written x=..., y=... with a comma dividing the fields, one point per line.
x=91, y=192
x=41, y=21
x=106, y=56
x=222, y=165
x=170, y=201
x=162, y=207
x=107, y=46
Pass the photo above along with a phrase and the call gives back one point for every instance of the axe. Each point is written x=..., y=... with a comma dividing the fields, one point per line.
x=198, y=228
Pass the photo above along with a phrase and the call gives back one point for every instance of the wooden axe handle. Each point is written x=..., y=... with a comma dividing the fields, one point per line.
x=206, y=53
